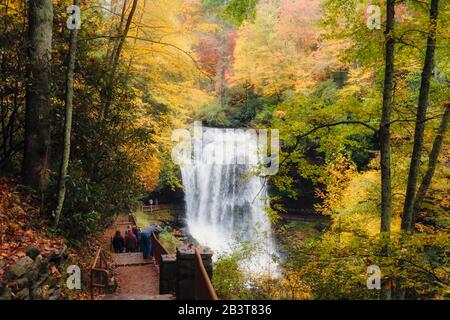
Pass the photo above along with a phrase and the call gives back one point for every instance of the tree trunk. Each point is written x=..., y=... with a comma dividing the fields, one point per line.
x=68, y=120
x=407, y=218
x=222, y=68
x=385, y=136
x=385, y=141
x=434, y=154
x=115, y=60
x=35, y=171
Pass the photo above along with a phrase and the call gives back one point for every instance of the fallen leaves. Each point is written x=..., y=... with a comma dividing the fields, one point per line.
x=55, y=271
x=20, y=226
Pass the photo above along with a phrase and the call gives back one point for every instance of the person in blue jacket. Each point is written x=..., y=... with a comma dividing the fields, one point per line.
x=146, y=237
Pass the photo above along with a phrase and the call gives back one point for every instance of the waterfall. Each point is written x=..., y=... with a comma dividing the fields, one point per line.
x=225, y=201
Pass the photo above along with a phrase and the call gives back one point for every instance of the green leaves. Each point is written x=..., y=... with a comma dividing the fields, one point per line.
x=234, y=11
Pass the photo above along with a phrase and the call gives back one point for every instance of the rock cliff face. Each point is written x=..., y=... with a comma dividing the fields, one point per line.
x=33, y=277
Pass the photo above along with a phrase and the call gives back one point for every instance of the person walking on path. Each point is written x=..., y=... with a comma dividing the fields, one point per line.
x=118, y=242
x=140, y=240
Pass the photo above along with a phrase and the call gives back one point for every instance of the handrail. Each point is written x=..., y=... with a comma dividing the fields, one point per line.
x=156, y=207
x=158, y=249
x=132, y=217
x=204, y=289
x=99, y=277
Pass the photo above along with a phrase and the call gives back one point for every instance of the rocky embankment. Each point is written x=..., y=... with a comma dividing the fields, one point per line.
x=34, y=276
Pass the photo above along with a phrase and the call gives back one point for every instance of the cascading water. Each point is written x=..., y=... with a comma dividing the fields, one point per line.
x=225, y=201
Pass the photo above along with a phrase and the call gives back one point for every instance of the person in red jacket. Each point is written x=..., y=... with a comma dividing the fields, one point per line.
x=131, y=242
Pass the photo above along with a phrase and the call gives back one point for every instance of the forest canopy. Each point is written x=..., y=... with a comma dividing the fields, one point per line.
x=87, y=116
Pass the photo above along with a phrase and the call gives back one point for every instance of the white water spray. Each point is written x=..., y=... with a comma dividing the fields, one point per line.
x=225, y=201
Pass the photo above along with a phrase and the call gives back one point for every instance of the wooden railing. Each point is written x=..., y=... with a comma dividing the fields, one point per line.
x=158, y=249
x=99, y=273
x=132, y=219
x=204, y=289
x=156, y=207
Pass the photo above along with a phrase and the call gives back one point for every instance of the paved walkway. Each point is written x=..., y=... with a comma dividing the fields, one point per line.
x=137, y=279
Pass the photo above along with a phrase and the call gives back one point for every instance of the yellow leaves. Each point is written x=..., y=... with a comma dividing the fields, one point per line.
x=160, y=50
x=10, y=7
x=150, y=173
x=276, y=54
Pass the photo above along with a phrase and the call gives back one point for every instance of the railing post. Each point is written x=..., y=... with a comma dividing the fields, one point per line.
x=99, y=269
x=204, y=289
x=92, y=285
x=185, y=287
x=167, y=272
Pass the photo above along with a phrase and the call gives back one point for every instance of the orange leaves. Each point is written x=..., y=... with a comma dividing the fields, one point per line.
x=55, y=271
x=28, y=233
x=280, y=114
x=20, y=226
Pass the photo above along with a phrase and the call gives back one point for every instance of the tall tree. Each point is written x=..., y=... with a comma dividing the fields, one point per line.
x=433, y=158
x=385, y=136
x=116, y=55
x=68, y=121
x=35, y=171
x=407, y=218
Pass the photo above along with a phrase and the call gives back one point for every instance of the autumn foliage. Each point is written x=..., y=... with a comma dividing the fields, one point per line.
x=21, y=226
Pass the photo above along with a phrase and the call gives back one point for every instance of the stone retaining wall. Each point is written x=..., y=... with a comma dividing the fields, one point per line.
x=33, y=277
x=177, y=272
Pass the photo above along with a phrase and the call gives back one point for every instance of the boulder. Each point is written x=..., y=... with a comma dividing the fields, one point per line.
x=55, y=295
x=38, y=261
x=41, y=293
x=19, y=284
x=6, y=294
x=18, y=269
x=2, y=286
x=32, y=275
x=41, y=279
x=51, y=281
x=33, y=252
x=44, y=267
x=57, y=256
x=23, y=294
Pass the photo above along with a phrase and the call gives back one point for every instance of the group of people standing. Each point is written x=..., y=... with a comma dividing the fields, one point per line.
x=136, y=240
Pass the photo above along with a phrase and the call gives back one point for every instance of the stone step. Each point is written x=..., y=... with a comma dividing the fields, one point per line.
x=130, y=259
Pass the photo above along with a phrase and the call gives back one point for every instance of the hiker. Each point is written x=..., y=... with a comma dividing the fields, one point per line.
x=135, y=231
x=118, y=242
x=147, y=238
x=139, y=238
x=127, y=230
x=130, y=242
